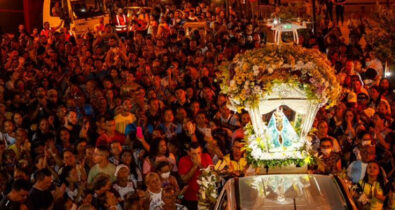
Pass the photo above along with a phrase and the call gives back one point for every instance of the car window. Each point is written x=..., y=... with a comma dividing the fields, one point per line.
x=291, y=192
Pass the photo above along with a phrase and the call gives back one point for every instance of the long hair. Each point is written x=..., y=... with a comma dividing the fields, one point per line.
x=133, y=166
x=354, y=120
x=155, y=147
x=382, y=91
x=380, y=176
x=65, y=174
x=377, y=101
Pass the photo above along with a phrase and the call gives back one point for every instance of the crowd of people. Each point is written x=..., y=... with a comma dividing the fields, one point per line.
x=127, y=120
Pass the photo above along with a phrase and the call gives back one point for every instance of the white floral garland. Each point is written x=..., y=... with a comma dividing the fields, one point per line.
x=208, y=193
x=258, y=154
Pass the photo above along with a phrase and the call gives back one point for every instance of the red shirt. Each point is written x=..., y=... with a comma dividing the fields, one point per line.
x=104, y=139
x=184, y=166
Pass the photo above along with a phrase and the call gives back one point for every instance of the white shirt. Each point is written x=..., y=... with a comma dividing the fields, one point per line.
x=124, y=190
x=72, y=194
x=205, y=131
x=8, y=140
x=156, y=200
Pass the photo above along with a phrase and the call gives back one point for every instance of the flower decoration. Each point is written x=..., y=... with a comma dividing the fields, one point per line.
x=257, y=154
x=208, y=191
x=250, y=76
x=283, y=71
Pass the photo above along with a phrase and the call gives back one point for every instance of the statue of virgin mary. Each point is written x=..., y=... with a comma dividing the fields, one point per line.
x=281, y=131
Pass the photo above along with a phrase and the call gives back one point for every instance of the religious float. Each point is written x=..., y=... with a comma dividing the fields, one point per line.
x=282, y=87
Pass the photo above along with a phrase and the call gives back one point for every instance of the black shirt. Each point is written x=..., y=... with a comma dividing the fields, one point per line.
x=6, y=203
x=40, y=199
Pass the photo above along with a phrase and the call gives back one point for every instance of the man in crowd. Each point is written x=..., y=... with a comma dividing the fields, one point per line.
x=189, y=169
x=102, y=164
x=17, y=196
x=41, y=196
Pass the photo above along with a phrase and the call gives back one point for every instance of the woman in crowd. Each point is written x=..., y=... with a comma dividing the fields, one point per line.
x=123, y=185
x=163, y=169
x=158, y=152
x=328, y=161
x=74, y=189
x=135, y=173
x=373, y=195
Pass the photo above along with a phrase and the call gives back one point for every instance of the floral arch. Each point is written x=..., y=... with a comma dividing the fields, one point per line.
x=282, y=88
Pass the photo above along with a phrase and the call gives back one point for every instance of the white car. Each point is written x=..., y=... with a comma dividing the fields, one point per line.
x=285, y=191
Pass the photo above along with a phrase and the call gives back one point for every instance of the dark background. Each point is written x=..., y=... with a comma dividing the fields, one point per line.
x=15, y=12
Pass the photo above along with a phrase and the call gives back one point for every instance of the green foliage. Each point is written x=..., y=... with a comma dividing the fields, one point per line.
x=380, y=33
x=309, y=160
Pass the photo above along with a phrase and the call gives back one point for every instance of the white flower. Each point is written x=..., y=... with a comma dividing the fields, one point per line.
x=246, y=84
x=253, y=144
x=298, y=155
x=255, y=68
x=210, y=179
x=213, y=195
x=256, y=153
x=232, y=85
x=309, y=65
x=266, y=156
x=205, y=184
x=257, y=89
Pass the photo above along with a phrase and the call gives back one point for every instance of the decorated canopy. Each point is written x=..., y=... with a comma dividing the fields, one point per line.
x=282, y=88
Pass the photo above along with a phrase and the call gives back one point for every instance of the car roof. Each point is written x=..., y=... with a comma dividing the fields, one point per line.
x=283, y=191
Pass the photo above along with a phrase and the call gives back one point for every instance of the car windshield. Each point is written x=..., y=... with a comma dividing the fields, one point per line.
x=290, y=192
x=83, y=10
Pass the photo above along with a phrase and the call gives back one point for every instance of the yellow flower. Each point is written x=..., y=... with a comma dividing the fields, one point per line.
x=269, y=60
x=245, y=67
x=255, y=61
